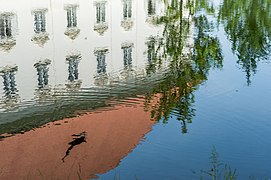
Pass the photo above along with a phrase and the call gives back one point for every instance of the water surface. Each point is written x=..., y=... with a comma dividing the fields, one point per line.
x=134, y=89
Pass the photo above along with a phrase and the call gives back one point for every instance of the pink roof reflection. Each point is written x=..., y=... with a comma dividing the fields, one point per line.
x=110, y=136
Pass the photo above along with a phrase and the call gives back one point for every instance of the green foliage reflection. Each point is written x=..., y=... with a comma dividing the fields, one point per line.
x=189, y=64
x=248, y=26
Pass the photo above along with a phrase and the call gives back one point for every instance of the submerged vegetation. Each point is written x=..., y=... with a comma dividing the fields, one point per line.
x=218, y=170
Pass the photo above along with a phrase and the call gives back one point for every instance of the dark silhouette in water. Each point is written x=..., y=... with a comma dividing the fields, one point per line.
x=78, y=139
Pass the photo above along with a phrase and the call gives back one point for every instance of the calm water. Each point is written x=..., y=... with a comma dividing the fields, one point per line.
x=135, y=89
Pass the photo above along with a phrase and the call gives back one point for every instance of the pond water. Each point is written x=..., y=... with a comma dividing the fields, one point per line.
x=129, y=89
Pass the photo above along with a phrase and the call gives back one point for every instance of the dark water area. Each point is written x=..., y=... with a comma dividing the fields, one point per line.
x=130, y=89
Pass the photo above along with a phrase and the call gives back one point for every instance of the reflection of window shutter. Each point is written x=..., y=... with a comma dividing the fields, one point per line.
x=130, y=9
x=43, y=22
x=97, y=13
x=151, y=51
x=36, y=30
x=103, y=12
x=8, y=27
x=45, y=75
x=130, y=56
x=74, y=17
x=12, y=82
x=2, y=28
x=68, y=18
x=76, y=73
x=125, y=9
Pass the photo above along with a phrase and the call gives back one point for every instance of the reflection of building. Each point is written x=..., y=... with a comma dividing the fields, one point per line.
x=107, y=142
x=128, y=46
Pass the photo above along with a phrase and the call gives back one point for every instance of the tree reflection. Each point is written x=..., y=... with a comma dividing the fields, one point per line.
x=247, y=24
x=190, y=62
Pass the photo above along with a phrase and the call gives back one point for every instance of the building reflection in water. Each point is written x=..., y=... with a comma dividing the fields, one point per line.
x=62, y=18
x=58, y=137
x=41, y=36
x=72, y=29
x=7, y=28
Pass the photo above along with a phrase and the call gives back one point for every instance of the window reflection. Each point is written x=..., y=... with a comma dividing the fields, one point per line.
x=101, y=65
x=39, y=21
x=100, y=12
x=8, y=75
x=41, y=36
x=127, y=56
x=73, y=62
x=42, y=72
x=72, y=29
x=127, y=49
x=11, y=97
x=150, y=50
x=127, y=9
x=71, y=16
x=5, y=26
x=127, y=22
x=100, y=22
x=151, y=7
x=7, y=40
